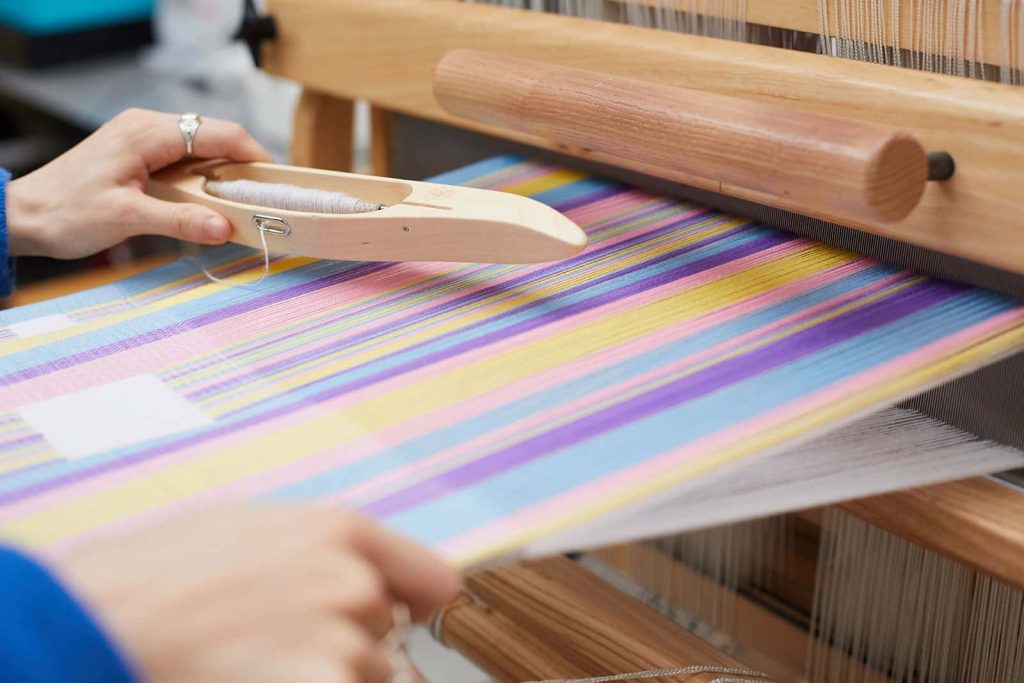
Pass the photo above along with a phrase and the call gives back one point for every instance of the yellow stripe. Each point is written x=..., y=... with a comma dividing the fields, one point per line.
x=548, y=181
x=47, y=455
x=73, y=516
x=426, y=330
x=689, y=370
x=311, y=336
x=809, y=423
x=19, y=345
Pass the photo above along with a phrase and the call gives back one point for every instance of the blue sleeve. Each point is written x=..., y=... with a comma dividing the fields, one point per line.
x=45, y=635
x=6, y=266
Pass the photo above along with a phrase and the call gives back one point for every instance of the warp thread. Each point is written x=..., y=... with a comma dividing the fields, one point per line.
x=732, y=675
x=289, y=197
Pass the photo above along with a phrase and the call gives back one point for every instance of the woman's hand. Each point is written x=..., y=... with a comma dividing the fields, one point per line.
x=258, y=595
x=91, y=197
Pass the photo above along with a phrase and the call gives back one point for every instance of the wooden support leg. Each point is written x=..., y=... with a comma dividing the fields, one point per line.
x=322, y=135
x=380, y=144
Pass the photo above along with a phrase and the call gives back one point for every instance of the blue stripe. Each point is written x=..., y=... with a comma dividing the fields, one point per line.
x=519, y=489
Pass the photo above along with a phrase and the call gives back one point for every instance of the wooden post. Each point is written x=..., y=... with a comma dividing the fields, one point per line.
x=322, y=132
x=380, y=141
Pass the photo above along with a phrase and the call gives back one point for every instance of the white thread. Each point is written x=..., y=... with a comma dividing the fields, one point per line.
x=944, y=37
x=266, y=266
x=289, y=197
x=674, y=672
x=402, y=670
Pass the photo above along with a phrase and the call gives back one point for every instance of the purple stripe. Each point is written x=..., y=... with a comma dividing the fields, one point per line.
x=21, y=441
x=702, y=383
x=633, y=215
x=196, y=281
x=754, y=246
x=464, y=301
x=590, y=198
x=257, y=302
x=220, y=429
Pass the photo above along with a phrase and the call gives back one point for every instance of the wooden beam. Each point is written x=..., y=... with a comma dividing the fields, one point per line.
x=803, y=16
x=386, y=51
x=978, y=522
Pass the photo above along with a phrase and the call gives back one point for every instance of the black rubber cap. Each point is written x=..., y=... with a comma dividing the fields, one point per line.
x=940, y=166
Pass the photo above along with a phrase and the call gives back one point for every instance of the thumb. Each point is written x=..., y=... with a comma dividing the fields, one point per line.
x=189, y=222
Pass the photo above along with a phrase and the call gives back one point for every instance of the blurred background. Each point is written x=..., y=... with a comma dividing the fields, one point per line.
x=66, y=66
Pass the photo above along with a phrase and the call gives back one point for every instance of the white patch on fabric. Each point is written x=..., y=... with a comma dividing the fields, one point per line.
x=114, y=415
x=38, y=326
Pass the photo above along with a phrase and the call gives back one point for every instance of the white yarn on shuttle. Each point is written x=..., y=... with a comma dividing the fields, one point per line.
x=289, y=197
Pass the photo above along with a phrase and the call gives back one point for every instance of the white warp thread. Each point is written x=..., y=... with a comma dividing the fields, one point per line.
x=289, y=197
x=733, y=675
x=730, y=674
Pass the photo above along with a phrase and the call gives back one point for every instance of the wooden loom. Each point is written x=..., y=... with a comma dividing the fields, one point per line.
x=861, y=146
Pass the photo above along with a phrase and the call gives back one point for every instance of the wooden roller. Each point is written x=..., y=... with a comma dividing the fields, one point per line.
x=978, y=522
x=853, y=170
x=553, y=619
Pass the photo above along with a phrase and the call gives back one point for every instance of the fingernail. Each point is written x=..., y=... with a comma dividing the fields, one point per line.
x=216, y=229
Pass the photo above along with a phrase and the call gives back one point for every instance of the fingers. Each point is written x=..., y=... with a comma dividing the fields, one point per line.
x=361, y=654
x=217, y=138
x=156, y=136
x=322, y=652
x=414, y=575
x=362, y=595
x=189, y=222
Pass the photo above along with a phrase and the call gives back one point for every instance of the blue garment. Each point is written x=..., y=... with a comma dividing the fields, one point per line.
x=45, y=635
x=6, y=267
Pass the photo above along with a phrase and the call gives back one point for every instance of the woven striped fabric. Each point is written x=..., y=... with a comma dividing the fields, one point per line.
x=472, y=407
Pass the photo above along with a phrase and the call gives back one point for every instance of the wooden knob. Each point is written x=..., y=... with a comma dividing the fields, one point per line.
x=825, y=165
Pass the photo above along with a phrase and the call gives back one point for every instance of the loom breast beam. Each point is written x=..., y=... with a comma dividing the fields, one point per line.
x=373, y=219
x=854, y=170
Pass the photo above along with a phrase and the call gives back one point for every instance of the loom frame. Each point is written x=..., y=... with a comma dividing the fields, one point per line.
x=385, y=52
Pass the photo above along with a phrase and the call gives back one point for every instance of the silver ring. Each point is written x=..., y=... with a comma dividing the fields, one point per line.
x=188, y=124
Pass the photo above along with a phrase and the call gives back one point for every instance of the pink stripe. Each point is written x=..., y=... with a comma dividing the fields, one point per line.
x=504, y=179
x=434, y=301
x=193, y=343
x=580, y=498
x=332, y=458
x=207, y=341
x=357, y=495
x=323, y=301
